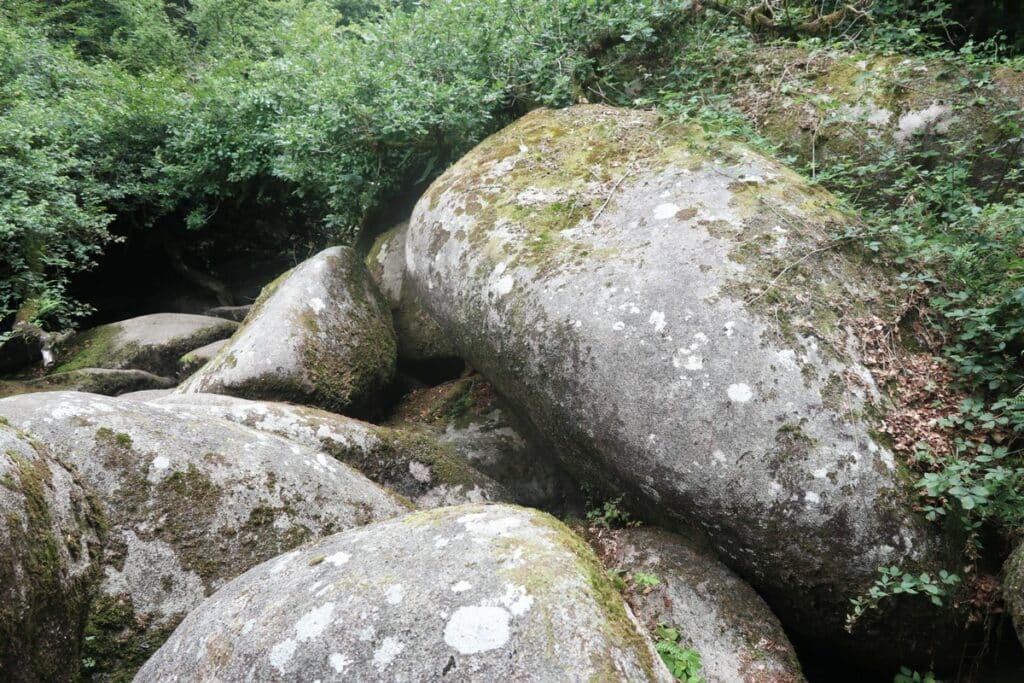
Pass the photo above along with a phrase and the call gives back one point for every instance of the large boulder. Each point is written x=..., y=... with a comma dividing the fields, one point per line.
x=1013, y=589
x=410, y=462
x=104, y=381
x=826, y=106
x=481, y=593
x=190, y=503
x=197, y=358
x=672, y=313
x=320, y=334
x=153, y=343
x=419, y=336
x=468, y=416
x=677, y=583
x=50, y=550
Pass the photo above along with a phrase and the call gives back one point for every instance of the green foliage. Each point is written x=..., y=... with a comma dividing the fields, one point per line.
x=683, y=663
x=893, y=581
x=645, y=580
x=907, y=675
x=609, y=515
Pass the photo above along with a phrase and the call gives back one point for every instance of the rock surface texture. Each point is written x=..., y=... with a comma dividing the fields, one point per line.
x=320, y=334
x=419, y=337
x=716, y=613
x=153, y=343
x=409, y=462
x=469, y=593
x=50, y=550
x=190, y=503
x=671, y=314
x=1013, y=589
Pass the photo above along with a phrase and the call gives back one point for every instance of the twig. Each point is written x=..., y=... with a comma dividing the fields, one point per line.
x=790, y=267
x=610, y=195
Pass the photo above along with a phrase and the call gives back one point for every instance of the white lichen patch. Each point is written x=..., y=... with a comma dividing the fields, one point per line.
x=477, y=628
x=282, y=653
x=338, y=662
x=665, y=211
x=657, y=319
x=339, y=558
x=317, y=304
x=740, y=393
x=313, y=623
x=477, y=524
x=161, y=463
x=419, y=472
x=387, y=652
x=394, y=594
x=461, y=586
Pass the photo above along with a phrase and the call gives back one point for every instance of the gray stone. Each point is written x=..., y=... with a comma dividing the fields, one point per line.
x=715, y=612
x=419, y=336
x=190, y=502
x=672, y=314
x=235, y=313
x=318, y=335
x=469, y=593
x=467, y=415
x=1013, y=589
x=49, y=561
x=407, y=461
x=104, y=381
x=197, y=358
x=153, y=343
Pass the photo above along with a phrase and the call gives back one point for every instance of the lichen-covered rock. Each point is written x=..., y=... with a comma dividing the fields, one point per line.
x=469, y=593
x=677, y=582
x=153, y=343
x=50, y=551
x=319, y=335
x=467, y=415
x=827, y=105
x=197, y=358
x=1013, y=589
x=419, y=336
x=409, y=462
x=672, y=313
x=190, y=503
x=104, y=381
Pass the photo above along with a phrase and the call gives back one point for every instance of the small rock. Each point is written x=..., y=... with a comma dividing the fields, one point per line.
x=193, y=360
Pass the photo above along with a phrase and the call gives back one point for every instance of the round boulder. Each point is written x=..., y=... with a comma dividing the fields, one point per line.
x=320, y=335
x=50, y=550
x=153, y=343
x=484, y=593
x=190, y=503
x=672, y=313
x=676, y=583
x=410, y=462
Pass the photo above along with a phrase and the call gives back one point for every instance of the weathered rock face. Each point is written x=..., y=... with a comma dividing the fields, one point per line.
x=409, y=462
x=50, y=550
x=91, y=380
x=197, y=358
x=419, y=337
x=1013, y=589
x=672, y=315
x=320, y=335
x=153, y=343
x=481, y=593
x=190, y=504
x=823, y=105
x=467, y=415
x=716, y=613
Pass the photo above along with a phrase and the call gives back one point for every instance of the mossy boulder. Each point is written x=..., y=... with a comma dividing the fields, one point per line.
x=190, y=503
x=105, y=381
x=1013, y=589
x=153, y=343
x=673, y=314
x=411, y=462
x=50, y=553
x=235, y=313
x=197, y=358
x=419, y=336
x=468, y=416
x=486, y=593
x=825, y=106
x=319, y=335
x=678, y=582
